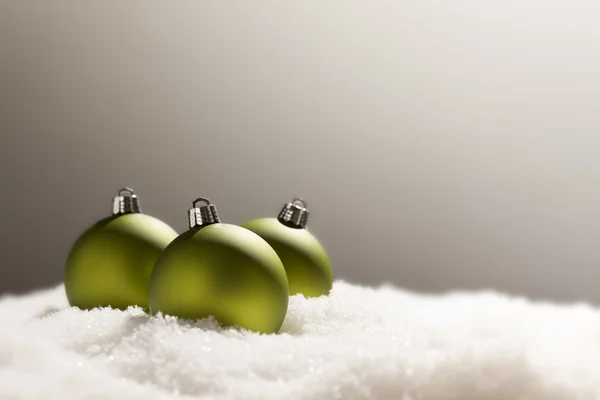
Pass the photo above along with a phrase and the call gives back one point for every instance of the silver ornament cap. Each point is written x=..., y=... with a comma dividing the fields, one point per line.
x=294, y=214
x=203, y=215
x=126, y=202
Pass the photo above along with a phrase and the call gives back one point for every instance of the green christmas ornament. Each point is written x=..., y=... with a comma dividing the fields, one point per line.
x=111, y=262
x=306, y=263
x=221, y=270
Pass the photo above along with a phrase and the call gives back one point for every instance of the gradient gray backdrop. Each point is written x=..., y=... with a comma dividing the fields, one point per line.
x=440, y=144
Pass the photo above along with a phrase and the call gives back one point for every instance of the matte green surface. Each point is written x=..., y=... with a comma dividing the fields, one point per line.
x=111, y=262
x=307, y=266
x=224, y=271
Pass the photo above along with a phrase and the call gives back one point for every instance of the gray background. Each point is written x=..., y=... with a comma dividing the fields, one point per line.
x=440, y=145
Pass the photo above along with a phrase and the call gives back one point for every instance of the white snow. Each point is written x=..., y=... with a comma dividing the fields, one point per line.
x=358, y=343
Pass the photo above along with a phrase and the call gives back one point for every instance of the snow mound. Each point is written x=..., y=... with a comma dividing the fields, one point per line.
x=357, y=343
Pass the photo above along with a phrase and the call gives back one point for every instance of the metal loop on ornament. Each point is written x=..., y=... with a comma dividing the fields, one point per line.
x=199, y=199
x=299, y=200
x=126, y=189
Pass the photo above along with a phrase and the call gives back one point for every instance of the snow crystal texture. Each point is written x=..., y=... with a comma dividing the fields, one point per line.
x=357, y=343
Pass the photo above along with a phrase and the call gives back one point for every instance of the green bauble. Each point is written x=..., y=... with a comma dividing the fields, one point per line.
x=306, y=263
x=110, y=263
x=223, y=271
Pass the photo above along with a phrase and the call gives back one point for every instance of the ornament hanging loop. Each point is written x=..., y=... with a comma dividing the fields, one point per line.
x=126, y=189
x=300, y=201
x=200, y=199
x=294, y=214
x=126, y=202
x=203, y=215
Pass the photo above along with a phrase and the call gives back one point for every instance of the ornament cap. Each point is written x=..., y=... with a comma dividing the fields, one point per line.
x=294, y=214
x=126, y=202
x=203, y=215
